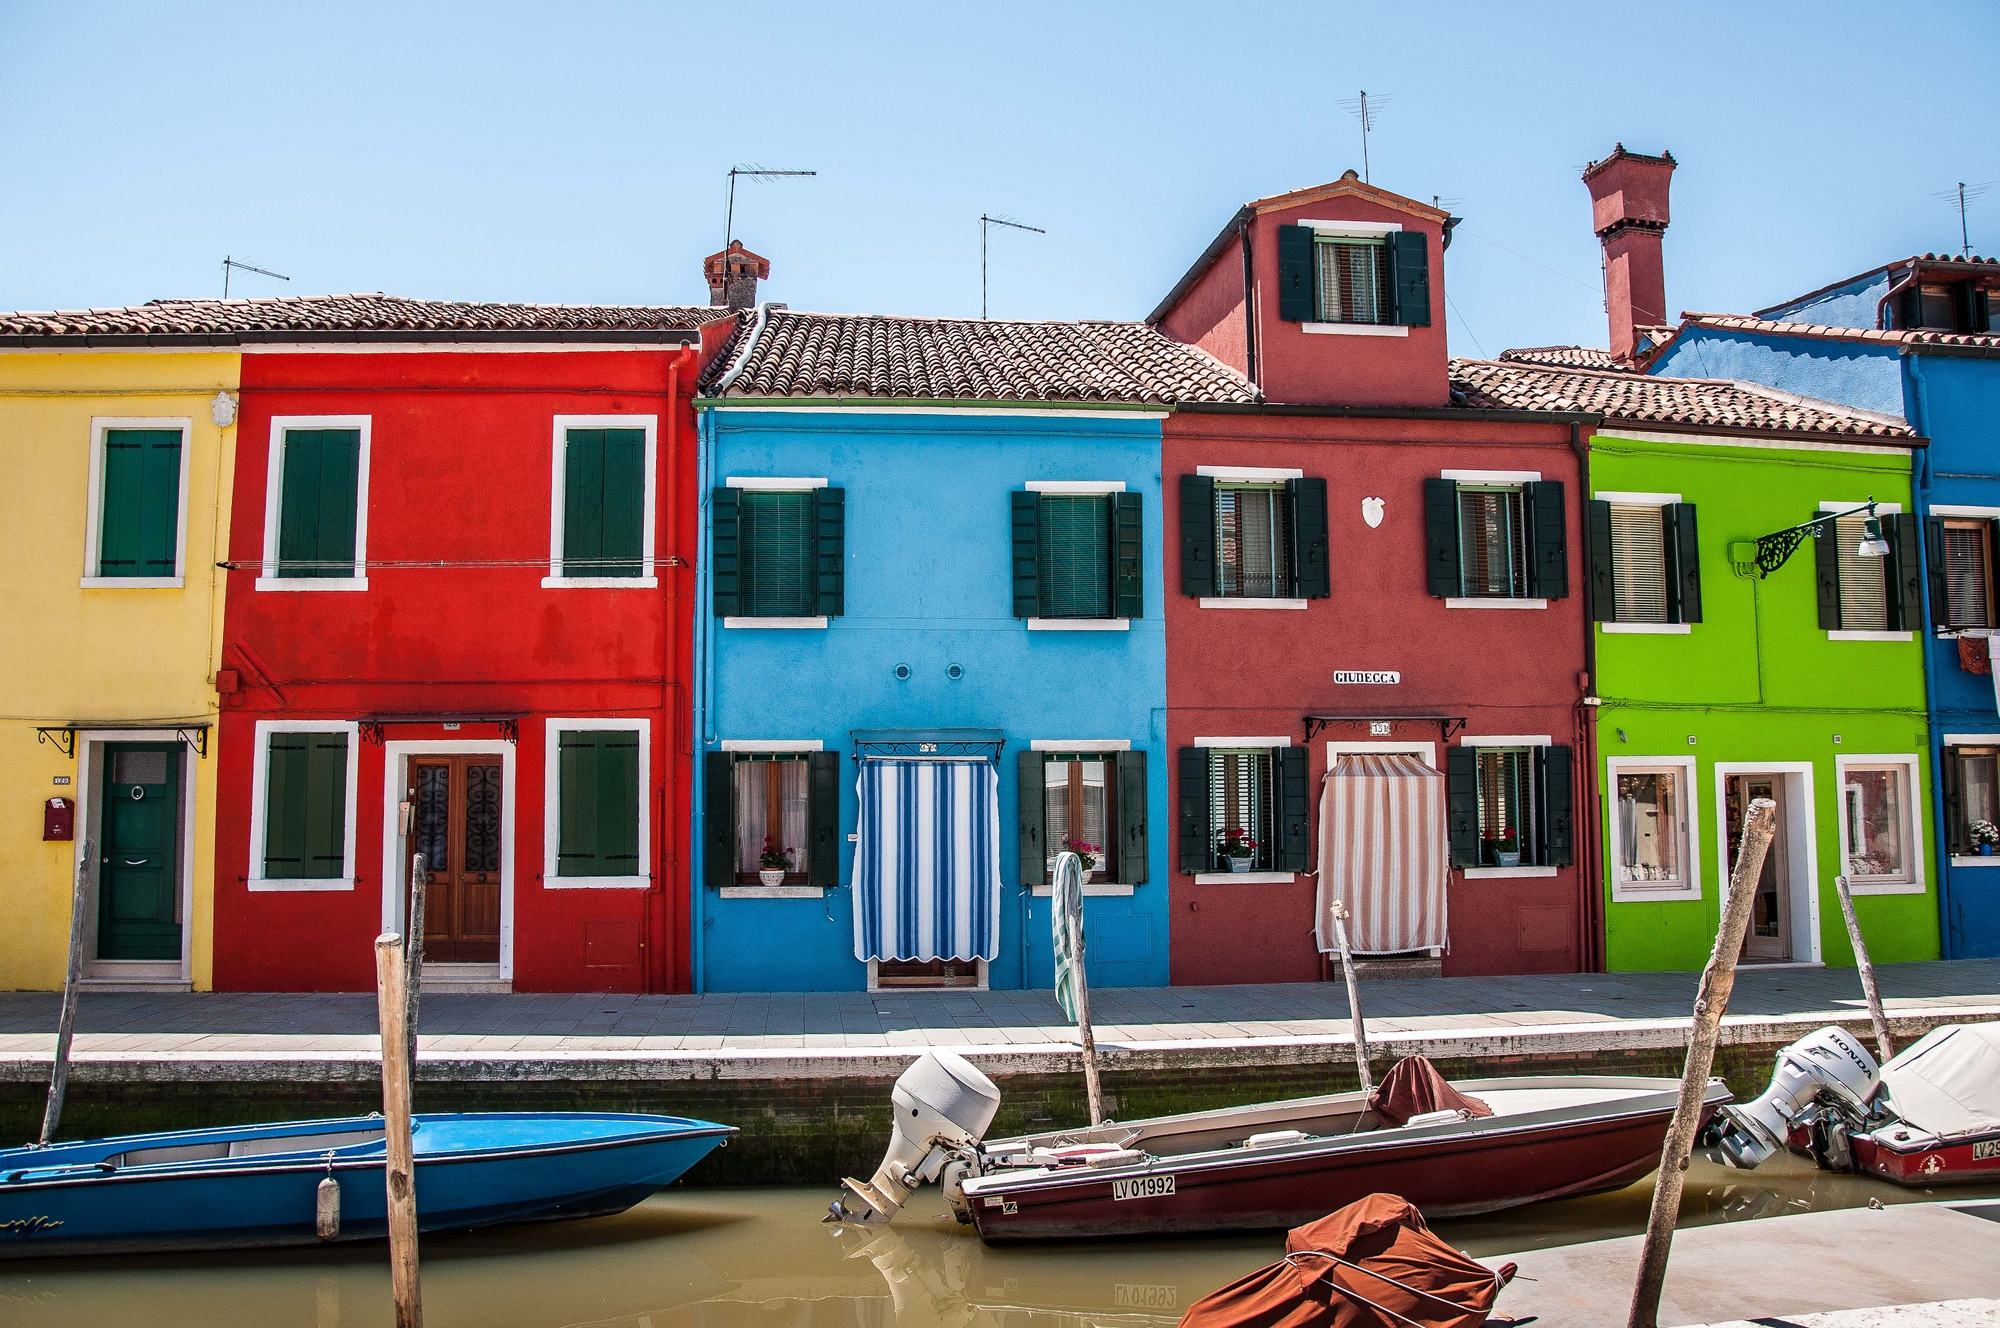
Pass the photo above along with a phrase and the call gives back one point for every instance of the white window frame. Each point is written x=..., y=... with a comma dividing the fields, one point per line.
x=1661, y=500
x=1522, y=477
x=1104, y=746
x=396, y=862
x=1254, y=877
x=1251, y=475
x=558, y=484
x=1352, y=230
x=93, y=525
x=274, y=494
x=1858, y=633
x=1915, y=805
x=770, y=747
x=1077, y=624
x=1505, y=740
x=775, y=484
x=260, y=788
x=1801, y=831
x=552, y=803
x=1685, y=768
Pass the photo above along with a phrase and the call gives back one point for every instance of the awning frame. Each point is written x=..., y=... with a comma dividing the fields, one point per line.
x=1447, y=724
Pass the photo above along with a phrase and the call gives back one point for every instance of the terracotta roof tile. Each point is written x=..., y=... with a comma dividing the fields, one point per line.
x=1565, y=357
x=284, y=317
x=1894, y=336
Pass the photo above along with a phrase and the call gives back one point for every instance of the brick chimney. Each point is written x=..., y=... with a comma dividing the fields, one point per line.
x=1628, y=210
x=733, y=275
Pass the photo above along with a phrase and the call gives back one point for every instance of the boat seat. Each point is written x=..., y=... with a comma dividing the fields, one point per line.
x=256, y=1146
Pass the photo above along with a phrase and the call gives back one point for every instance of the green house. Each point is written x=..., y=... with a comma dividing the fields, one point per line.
x=1736, y=656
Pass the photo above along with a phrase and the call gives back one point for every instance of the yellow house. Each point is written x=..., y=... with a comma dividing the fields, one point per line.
x=114, y=512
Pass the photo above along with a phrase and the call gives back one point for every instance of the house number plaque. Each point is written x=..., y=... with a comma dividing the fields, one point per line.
x=1367, y=677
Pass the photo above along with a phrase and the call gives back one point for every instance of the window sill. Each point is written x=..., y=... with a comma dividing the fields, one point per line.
x=1494, y=602
x=1079, y=624
x=312, y=583
x=1356, y=329
x=1091, y=889
x=1966, y=860
x=1224, y=602
x=1646, y=629
x=1492, y=873
x=1639, y=894
x=773, y=891
x=1245, y=878
x=130, y=583
x=258, y=886
x=1843, y=634
x=1893, y=887
x=779, y=624
x=595, y=882
x=600, y=582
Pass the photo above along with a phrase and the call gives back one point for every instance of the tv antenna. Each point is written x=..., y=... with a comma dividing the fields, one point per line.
x=985, y=224
x=230, y=263
x=1365, y=108
x=748, y=173
x=1959, y=197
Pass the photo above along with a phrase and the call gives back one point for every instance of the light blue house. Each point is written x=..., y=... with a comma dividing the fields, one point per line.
x=1913, y=341
x=930, y=649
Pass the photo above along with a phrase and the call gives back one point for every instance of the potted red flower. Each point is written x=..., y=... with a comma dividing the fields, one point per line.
x=773, y=862
x=1239, y=850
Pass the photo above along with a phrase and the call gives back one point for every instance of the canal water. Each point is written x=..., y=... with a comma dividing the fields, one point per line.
x=762, y=1259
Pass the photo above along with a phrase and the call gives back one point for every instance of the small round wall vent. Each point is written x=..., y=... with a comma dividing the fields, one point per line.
x=902, y=673
x=955, y=672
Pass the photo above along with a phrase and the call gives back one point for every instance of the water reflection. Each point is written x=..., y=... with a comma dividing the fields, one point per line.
x=761, y=1259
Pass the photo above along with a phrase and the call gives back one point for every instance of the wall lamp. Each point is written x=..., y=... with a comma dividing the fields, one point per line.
x=1775, y=548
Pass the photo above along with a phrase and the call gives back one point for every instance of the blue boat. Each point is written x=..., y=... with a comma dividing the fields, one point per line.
x=260, y=1185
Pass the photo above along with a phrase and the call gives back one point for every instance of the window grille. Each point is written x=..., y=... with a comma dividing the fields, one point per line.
x=1239, y=787
x=1492, y=543
x=1353, y=281
x=1864, y=582
x=1639, y=563
x=1506, y=807
x=1253, y=542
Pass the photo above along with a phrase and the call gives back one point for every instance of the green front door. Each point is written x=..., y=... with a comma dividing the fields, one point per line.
x=137, y=904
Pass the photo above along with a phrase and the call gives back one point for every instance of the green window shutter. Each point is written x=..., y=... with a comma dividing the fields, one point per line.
x=1196, y=819
x=830, y=551
x=1410, y=277
x=778, y=554
x=1293, y=852
x=1556, y=821
x=284, y=807
x=1936, y=567
x=1311, y=578
x=1197, y=535
x=718, y=841
x=1982, y=310
x=1026, y=510
x=1548, y=540
x=1133, y=851
x=1905, y=572
x=1074, y=569
x=725, y=507
x=623, y=504
x=1128, y=533
x=139, y=518
x=1964, y=303
x=1032, y=817
x=1684, y=563
x=1826, y=576
x=1951, y=779
x=583, y=501
x=317, y=504
x=1603, y=580
x=1298, y=291
x=1441, y=537
x=1461, y=788
x=1910, y=307
x=326, y=806
x=597, y=812
x=823, y=819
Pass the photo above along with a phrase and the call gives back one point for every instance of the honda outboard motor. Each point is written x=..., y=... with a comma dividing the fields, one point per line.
x=1829, y=1062
x=940, y=1106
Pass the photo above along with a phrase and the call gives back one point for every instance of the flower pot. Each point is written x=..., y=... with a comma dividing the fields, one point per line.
x=771, y=875
x=1239, y=864
x=1506, y=859
x=1985, y=850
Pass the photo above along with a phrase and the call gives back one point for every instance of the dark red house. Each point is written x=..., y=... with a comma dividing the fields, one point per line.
x=459, y=596
x=1376, y=637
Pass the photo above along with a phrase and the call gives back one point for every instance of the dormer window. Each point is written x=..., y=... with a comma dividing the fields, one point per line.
x=1337, y=276
x=1353, y=279
x=1946, y=306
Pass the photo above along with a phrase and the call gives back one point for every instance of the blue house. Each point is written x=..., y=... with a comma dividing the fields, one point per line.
x=930, y=649
x=1912, y=341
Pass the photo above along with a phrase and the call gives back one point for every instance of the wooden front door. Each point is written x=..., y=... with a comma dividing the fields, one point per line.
x=1769, y=936
x=138, y=902
x=455, y=824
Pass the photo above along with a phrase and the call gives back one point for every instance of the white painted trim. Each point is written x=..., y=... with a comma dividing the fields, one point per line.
x=1074, y=486
x=1492, y=476
x=260, y=787
x=552, y=804
x=1355, y=329
x=1080, y=745
x=1238, y=602
x=1881, y=509
x=1091, y=890
x=777, y=624
x=1242, y=742
x=1965, y=860
x=1494, y=602
x=1801, y=843
x=1695, y=435
x=773, y=891
x=558, y=479
x=1079, y=624
x=1250, y=474
x=1845, y=634
x=90, y=764
x=93, y=522
x=1245, y=878
x=1505, y=740
x=1636, y=499
x=1686, y=767
x=884, y=406
x=1971, y=740
x=1381, y=747
x=274, y=490
x=1914, y=811
x=1961, y=509
x=1490, y=873
x=773, y=745
x=1645, y=629
x=874, y=987
x=395, y=861
x=773, y=483
x=1358, y=230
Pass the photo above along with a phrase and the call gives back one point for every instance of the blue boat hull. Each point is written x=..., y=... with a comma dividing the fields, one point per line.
x=140, y=1194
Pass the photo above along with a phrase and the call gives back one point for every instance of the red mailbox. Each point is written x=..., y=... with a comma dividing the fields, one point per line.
x=59, y=819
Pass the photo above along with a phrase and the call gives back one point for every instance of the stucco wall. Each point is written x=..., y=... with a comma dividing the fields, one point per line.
x=1849, y=305
x=1853, y=373
x=1210, y=315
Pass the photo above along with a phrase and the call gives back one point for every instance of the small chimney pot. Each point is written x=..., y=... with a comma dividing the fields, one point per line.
x=733, y=275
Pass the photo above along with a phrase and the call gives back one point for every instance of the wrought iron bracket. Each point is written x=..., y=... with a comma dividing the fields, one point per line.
x=1774, y=549
x=62, y=736
x=983, y=744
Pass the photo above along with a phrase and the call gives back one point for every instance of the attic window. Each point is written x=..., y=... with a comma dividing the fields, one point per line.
x=1353, y=280
x=1939, y=309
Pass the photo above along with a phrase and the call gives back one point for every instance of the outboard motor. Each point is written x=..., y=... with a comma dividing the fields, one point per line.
x=940, y=1107
x=1828, y=1062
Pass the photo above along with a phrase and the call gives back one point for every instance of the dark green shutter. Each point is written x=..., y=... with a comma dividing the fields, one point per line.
x=1133, y=852
x=1556, y=821
x=1410, y=277
x=1683, y=562
x=1548, y=540
x=597, y=808
x=1128, y=534
x=1603, y=575
x=822, y=818
x=1293, y=852
x=139, y=518
x=1905, y=573
x=725, y=522
x=718, y=796
x=1075, y=572
x=1298, y=287
x=1310, y=576
x=1965, y=305
x=1982, y=309
x=284, y=807
x=1951, y=779
x=1826, y=576
x=583, y=501
x=830, y=525
x=1937, y=568
x=1910, y=307
x=317, y=502
x=326, y=806
x=1033, y=816
x=604, y=502
x=1461, y=788
x=777, y=553
x=305, y=807
x=1197, y=847
x=1441, y=537
x=1026, y=507
x=1197, y=535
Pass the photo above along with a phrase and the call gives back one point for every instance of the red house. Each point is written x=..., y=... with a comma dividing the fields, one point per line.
x=1376, y=641
x=458, y=624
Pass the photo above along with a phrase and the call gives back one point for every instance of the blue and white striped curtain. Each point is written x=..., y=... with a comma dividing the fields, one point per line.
x=927, y=864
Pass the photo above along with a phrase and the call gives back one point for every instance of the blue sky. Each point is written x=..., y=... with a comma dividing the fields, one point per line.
x=576, y=152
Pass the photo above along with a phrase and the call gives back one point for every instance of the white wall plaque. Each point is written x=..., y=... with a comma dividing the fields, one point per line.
x=1371, y=512
x=1367, y=676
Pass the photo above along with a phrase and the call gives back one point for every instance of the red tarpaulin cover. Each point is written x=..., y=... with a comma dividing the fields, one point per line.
x=1414, y=1087
x=1386, y=1237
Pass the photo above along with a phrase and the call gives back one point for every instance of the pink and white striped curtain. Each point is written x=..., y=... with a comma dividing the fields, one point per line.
x=1382, y=852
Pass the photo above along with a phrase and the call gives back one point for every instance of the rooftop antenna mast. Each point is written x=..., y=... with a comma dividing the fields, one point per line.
x=1959, y=197
x=985, y=223
x=752, y=173
x=1364, y=108
x=229, y=263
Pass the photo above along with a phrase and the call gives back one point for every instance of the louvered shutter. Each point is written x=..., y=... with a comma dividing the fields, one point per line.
x=1905, y=573
x=725, y=523
x=1603, y=578
x=1964, y=305
x=830, y=533
x=1310, y=576
x=778, y=554
x=624, y=504
x=1298, y=297
x=1548, y=540
x=1293, y=852
x=822, y=819
x=139, y=515
x=1555, y=785
x=1441, y=537
x=1032, y=818
x=1197, y=536
x=1128, y=535
x=1937, y=565
x=1684, y=549
x=1461, y=788
x=1133, y=851
x=317, y=502
x=286, y=769
x=326, y=806
x=597, y=809
x=1197, y=831
x=718, y=840
x=583, y=501
x=1951, y=780
x=1026, y=506
x=1410, y=277
x=1826, y=576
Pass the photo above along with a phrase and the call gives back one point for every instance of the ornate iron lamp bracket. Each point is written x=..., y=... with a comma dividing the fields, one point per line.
x=1774, y=549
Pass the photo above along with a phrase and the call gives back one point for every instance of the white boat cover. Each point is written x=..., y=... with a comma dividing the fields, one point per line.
x=1947, y=1083
x=1382, y=853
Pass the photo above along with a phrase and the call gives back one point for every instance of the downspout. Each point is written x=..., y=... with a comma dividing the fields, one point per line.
x=704, y=642
x=1882, y=305
x=1920, y=470
x=1249, y=318
x=670, y=709
x=1591, y=887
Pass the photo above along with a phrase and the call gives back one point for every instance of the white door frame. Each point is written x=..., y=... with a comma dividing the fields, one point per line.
x=395, y=778
x=1801, y=847
x=90, y=821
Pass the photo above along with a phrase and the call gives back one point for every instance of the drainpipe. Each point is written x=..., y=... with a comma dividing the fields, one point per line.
x=1882, y=305
x=1249, y=319
x=704, y=642
x=1591, y=888
x=1920, y=468
x=667, y=565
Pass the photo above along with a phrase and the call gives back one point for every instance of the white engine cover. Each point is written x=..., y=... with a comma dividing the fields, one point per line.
x=941, y=1102
x=1830, y=1059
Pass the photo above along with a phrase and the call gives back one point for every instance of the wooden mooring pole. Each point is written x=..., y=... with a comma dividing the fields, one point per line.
x=1093, y=1089
x=1884, y=1044
x=66, y=1022
x=413, y=950
x=399, y=1174
x=1353, y=1006
x=1710, y=1004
